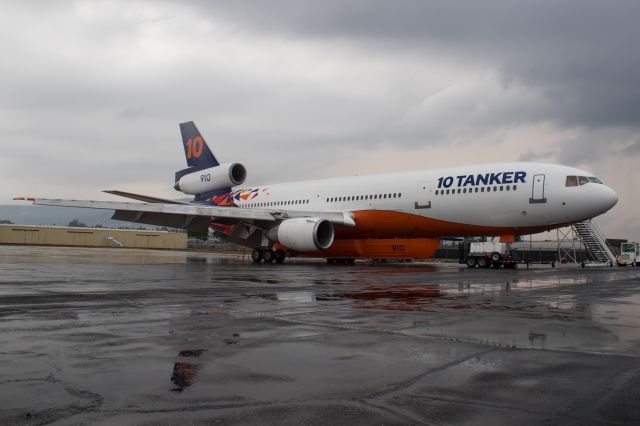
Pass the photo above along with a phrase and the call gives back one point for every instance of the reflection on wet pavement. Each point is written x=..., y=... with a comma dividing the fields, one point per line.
x=183, y=375
x=93, y=335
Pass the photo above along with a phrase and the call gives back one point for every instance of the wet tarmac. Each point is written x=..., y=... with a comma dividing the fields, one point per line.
x=115, y=336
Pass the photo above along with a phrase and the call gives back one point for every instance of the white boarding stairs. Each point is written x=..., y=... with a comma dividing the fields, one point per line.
x=594, y=241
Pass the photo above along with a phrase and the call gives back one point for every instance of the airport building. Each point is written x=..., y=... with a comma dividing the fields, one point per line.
x=91, y=237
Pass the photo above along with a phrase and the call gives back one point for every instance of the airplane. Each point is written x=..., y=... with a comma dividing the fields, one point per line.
x=386, y=216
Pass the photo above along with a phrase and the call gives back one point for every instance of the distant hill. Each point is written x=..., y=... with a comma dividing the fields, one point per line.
x=61, y=216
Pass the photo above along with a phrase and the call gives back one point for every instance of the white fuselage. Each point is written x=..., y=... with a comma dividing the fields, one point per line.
x=501, y=195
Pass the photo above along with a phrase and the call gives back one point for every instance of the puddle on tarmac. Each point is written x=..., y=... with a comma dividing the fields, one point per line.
x=426, y=297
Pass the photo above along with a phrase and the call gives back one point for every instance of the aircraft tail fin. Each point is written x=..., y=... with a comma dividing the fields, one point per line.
x=196, y=150
x=199, y=156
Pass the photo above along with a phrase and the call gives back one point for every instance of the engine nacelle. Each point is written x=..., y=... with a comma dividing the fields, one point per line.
x=222, y=176
x=303, y=234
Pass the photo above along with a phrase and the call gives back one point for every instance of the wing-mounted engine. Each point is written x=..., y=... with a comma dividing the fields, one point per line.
x=303, y=234
x=205, y=180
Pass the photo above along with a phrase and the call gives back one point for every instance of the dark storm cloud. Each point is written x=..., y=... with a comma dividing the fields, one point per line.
x=583, y=55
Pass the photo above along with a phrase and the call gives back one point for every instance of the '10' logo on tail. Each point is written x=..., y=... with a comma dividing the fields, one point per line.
x=500, y=178
x=194, y=147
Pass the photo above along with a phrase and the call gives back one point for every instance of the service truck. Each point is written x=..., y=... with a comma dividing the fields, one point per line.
x=629, y=255
x=490, y=253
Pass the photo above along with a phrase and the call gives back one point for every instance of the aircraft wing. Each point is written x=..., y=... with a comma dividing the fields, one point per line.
x=144, y=198
x=193, y=216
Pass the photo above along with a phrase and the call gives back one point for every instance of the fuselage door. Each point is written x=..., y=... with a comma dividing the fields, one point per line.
x=537, y=190
x=424, y=198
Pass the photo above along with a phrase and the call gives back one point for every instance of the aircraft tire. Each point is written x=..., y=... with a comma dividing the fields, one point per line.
x=279, y=256
x=256, y=255
x=269, y=256
x=471, y=262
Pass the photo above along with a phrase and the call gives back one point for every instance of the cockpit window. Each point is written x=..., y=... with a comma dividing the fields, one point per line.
x=581, y=180
x=572, y=181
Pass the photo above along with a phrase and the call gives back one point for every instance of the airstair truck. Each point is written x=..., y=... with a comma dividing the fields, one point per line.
x=629, y=255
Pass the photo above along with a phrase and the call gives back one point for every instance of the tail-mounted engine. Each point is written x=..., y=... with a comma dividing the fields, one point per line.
x=303, y=234
x=211, y=179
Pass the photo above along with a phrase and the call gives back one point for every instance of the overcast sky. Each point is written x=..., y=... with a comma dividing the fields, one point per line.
x=91, y=93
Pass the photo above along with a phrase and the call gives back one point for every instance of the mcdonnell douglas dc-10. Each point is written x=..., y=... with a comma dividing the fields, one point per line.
x=386, y=216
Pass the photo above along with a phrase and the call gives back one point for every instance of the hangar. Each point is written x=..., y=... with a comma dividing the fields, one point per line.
x=91, y=237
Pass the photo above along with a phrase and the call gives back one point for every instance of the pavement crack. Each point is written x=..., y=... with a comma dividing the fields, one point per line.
x=393, y=388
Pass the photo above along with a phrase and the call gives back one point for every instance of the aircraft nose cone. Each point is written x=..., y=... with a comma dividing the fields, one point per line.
x=611, y=198
x=608, y=198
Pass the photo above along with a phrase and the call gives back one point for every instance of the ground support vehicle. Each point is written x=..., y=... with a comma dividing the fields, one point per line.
x=490, y=254
x=629, y=254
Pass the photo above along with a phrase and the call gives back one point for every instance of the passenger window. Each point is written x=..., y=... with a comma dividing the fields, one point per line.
x=508, y=187
x=582, y=180
x=515, y=187
x=571, y=181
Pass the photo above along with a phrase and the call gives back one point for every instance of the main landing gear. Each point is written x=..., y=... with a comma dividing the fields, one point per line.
x=268, y=255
